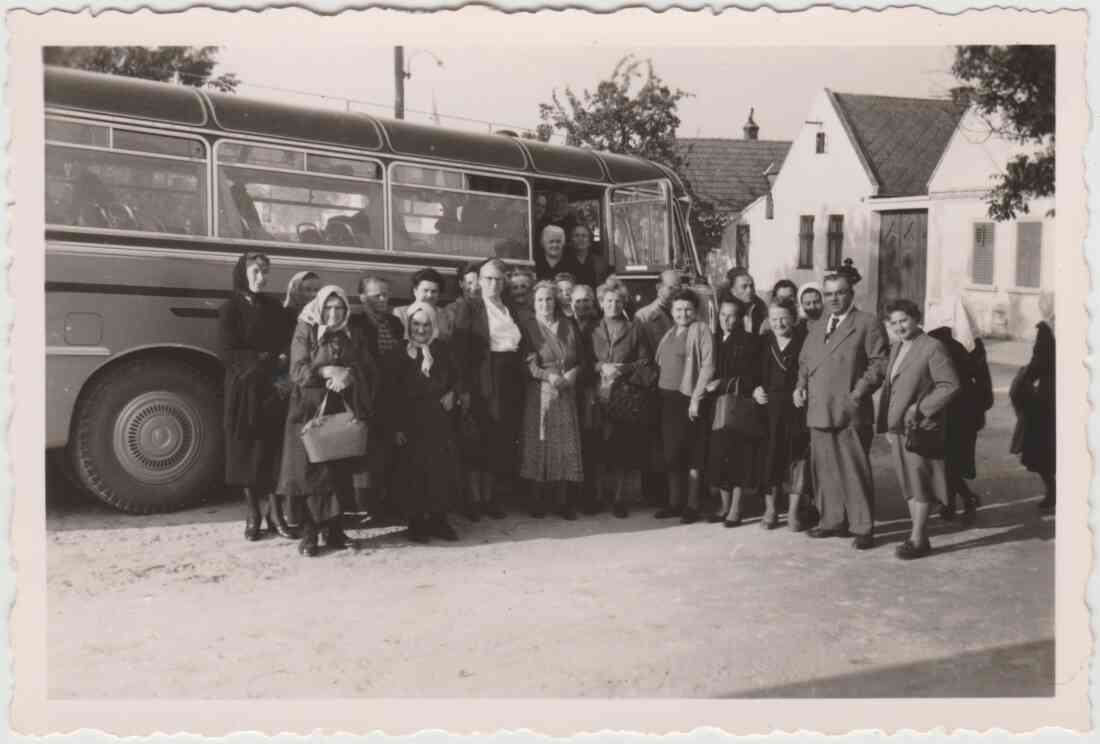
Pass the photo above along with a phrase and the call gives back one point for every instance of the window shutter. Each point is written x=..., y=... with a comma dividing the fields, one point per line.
x=982, y=263
x=1029, y=253
x=836, y=241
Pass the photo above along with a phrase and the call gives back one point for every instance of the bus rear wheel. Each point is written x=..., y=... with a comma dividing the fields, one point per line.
x=148, y=437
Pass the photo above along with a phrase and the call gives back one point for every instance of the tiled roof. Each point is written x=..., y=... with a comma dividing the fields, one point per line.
x=902, y=139
x=730, y=172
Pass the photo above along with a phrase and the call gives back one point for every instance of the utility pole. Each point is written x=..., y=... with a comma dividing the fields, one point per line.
x=399, y=82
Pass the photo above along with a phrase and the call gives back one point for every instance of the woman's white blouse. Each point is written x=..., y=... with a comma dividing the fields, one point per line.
x=504, y=334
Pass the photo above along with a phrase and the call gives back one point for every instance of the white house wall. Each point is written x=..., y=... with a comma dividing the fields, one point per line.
x=958, y=191
x=809, y=183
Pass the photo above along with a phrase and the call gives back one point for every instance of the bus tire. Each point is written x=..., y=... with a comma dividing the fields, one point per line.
x=148, y=437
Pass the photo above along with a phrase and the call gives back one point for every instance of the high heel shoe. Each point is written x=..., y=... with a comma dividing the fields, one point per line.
x=252, y=526
x=308, y=545
x=276, y=523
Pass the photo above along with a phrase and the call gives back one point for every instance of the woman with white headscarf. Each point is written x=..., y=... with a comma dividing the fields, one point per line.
x=330, y=366
x=420, y=379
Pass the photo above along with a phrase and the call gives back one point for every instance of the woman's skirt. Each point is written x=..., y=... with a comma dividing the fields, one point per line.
x=254, y=463
x=732, y=460
x=922, y=479
x=502, y=413
x=551, y=442
x=785, y=450
x=683, y=441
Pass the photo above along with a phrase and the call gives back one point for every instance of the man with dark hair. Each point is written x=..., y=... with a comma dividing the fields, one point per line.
x=743, y=288
x=427, y=286
x=843, y=362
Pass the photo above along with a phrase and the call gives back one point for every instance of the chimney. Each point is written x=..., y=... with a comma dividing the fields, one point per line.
x=750, y=129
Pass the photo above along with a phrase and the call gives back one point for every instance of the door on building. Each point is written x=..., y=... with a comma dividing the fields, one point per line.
x=902, y=257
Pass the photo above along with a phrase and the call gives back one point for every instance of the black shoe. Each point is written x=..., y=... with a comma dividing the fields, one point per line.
x=252, y=527
x=438, y=526
x=568, y=513
x=276, y=523
x=418, y=530
x=826, y=532
x=970, y=509
x=864, y=542
x=620, y=511
x=714, y=518
x=471, y=512
x=689, y=516
x=538, y=511
x=335, y=537
x=669, y=512
x=308, y=545
x=490, y=509
x=592, y=507
x=907, y=551
x=732, y=522
x=947, y=513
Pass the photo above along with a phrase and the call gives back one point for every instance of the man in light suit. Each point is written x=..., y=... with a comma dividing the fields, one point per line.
x=843, y=362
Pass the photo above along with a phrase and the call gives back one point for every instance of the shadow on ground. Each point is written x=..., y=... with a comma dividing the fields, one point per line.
x=1027, y=667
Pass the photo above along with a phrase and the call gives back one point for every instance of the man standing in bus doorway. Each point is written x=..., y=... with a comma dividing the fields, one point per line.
x=843, y=362
x=743, y=288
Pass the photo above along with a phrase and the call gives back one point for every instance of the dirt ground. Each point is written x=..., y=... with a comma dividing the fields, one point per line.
x=180, y=606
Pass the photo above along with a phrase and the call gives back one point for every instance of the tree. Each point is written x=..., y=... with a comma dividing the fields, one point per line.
x=633, y=112
x=1013, y=88
x=186, y=65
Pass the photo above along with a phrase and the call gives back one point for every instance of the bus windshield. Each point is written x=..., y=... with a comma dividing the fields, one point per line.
x=640, y=225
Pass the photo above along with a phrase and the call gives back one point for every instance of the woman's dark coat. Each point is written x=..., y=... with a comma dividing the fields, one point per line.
x=965, y=414
x=1033, y=396
x=251, y=337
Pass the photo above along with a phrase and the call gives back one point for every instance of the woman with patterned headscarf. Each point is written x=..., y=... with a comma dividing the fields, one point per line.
x=252, y=342
x=330, y=366
x=421, y=377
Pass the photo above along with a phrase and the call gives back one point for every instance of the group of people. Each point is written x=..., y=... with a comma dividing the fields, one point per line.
x=544, y=387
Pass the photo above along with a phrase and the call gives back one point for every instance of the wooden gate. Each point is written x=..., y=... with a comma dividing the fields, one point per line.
x=902, y=257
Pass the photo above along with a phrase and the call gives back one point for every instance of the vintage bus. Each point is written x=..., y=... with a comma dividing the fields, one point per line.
x=153, y=190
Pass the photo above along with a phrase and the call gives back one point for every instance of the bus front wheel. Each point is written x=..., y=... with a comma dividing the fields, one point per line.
x=148, y=437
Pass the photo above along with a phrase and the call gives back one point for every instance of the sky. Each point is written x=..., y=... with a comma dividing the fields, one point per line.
x=502, y=87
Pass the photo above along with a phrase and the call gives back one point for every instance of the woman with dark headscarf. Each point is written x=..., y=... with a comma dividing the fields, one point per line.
x=1033, y=396
x=252, y=342
x=331, y=369
x=421, y=378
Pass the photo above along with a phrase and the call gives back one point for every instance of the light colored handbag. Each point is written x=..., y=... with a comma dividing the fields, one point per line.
x=335, y=436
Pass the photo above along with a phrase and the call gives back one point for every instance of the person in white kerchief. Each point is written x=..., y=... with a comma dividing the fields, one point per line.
x=420, y=381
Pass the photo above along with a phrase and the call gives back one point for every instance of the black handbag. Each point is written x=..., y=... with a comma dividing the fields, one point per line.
x=736, y=414
x=926, y=442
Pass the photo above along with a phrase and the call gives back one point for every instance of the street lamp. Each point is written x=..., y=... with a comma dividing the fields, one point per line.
x=403, y=70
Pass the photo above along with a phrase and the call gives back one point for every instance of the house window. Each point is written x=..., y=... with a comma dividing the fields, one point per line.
x=1029, y=253
x=769, y=207
x=806, y=241
x=981, y=266
x=741, y=255
x=820, y=148
x=835, y=253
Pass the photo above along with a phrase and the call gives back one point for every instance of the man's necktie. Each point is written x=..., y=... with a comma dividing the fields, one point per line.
x=834, y=321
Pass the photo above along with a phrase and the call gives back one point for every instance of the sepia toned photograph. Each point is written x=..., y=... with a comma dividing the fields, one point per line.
x=617, y=371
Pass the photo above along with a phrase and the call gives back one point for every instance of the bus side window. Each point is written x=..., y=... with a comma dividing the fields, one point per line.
x=124, y=191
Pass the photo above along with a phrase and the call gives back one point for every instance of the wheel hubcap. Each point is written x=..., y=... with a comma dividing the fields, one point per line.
x=157, y=436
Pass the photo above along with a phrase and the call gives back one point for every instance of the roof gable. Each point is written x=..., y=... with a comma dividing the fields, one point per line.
x=901, y=139
x=730, y=172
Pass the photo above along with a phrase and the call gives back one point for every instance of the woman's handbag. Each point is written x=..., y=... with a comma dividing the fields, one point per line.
x=334, y=436
x=736, y=414
x=927, y=443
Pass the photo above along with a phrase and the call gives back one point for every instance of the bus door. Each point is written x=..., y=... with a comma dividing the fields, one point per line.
x=640, y=235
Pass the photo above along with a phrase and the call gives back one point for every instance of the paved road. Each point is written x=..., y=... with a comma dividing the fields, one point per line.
x=179, y=606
